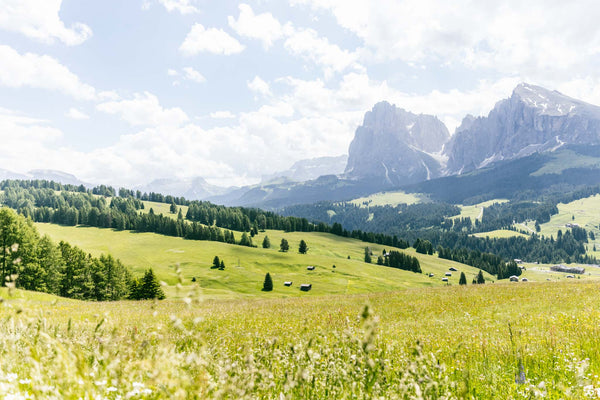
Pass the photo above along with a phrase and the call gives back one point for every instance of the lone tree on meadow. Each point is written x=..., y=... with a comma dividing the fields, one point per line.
x=173, y=208
x=266, y=243
x=284, y=246
x=216, y=263
x=302, y=248
x=480, y=278
x=268, y=283
x=463, y=279
x=367, y=255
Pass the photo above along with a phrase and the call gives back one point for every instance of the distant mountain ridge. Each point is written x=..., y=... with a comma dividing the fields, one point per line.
x=196, y=188
x=312, y=168
x=44, y=174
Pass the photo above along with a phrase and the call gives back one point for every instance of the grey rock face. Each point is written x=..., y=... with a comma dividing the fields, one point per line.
x=532, y=120
x=396, y=147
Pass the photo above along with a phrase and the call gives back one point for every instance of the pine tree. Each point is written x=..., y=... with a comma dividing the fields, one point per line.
x=266, y=243
x=173, y=208
x=463, y=279
x=245, y=240
x=268, y=283
x=216, y=263
x=284, y=246
x=379, y=260
x=480, y=278
x=302, y=248
x=222, y=265
x=367, y=255
x=150, y=287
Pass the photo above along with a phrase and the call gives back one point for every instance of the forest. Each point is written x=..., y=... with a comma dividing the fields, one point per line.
x=36, y=263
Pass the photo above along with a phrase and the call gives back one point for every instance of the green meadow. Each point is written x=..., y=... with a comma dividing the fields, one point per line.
x=499, y=233
x=493, y=341
x=163, y=208
x=475, y=211
x=390, y=198
x=246, y=267
x=583, y=212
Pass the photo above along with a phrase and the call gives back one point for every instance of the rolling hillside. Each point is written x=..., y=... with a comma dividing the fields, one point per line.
x=246, y=267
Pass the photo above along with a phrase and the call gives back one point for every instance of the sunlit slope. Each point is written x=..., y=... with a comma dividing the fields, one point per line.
x=246, y=267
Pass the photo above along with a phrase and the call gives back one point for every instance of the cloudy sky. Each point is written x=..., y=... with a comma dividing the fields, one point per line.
x=123, y=92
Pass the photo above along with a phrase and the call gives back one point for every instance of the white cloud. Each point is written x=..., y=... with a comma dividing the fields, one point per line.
x=539, y=38
x=259, y=86
x=210, y=40
x=76, y=114
x=40, y=71
x=309, y=45
x=193, y=75
x=263, y=27
x=183, y=6
x=222, y=115
x=25, y=142
x=39, y=19
x=188, y=73
x=144, y=109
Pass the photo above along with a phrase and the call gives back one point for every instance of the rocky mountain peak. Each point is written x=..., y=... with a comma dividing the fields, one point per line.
x=396, y=146
x=551, y=102
x=533, y=119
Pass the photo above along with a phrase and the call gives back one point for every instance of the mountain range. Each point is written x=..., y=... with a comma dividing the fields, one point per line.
x=396, y=149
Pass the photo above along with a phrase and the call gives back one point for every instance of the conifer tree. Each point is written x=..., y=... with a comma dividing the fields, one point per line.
x=284, y=246
x=245, y=240
x=216, y=263
x=480, y=278
x=302, y=248
x=222, y=265
x=268, y=283
x=367, y=255
x=463, y=279
x=150, y=287
x=266, y=243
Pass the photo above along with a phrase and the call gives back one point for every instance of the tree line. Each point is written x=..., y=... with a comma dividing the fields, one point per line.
x=36, y=263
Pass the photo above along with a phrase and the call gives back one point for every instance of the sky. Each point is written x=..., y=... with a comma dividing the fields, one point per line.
x=125, y=92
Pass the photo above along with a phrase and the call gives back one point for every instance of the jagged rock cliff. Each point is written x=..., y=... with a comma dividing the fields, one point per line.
x=532, y=120
x=396, y=147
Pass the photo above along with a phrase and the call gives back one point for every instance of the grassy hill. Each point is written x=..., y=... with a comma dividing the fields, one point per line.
x=583, y=212
x=246, y=267
x=501, y=341
x=392, y=198
x=567, y=168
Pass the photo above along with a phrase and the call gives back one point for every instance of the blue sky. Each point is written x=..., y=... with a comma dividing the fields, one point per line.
x=124, y=92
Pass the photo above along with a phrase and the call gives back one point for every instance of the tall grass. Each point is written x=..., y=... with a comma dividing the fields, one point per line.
x=486, y=341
